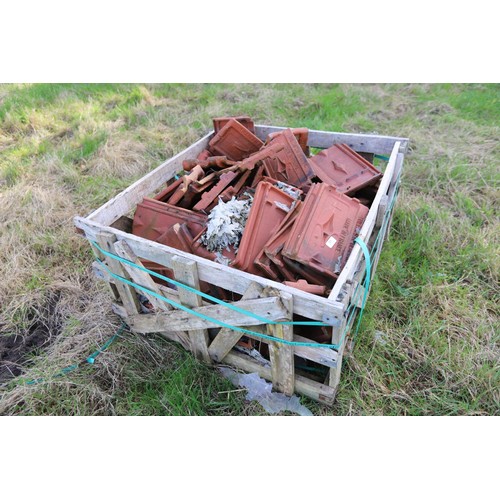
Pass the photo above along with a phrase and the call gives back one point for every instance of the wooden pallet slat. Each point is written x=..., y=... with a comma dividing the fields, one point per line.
x=185, y=272
x=106, y=241
x=281, y=355
x=226, y=339
x=182, y=320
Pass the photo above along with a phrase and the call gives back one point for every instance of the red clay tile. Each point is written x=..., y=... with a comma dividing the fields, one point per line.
x=305, y=272
x=259, y=174
x=210, y=196
x=194, y=175
x=343, y=168
x=194, y=192
x=266, y=214
x=290, y=165
x=323, y=234
x=167, y=192
x=275, y=243
x=217, y=162
x=245, y=120
x=301, y=134
x=231, y=191
x=267, y=267
x=152, y=218
x=235, y=141
x=204, y=155
x=306, y=287
x=177, y=236
x=269, y=151
x=293, y=191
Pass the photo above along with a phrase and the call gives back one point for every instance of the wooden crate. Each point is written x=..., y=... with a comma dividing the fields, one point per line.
x=108, y=226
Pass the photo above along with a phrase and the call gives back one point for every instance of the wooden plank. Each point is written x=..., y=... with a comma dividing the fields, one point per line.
x=167, y=292
x=125, y=201
x=100, y=273
x=145, y=280
x=179, y=320
x=365, y=233
x=334, y=374
x=226, y=338
x=314, y=390
x=185, y=272
x=305, y=304
x=140, y=277
x=382, y=208
x=129, y=299
x=281, y=355
x=321, y=355
x=269, y=307
x=368, y=143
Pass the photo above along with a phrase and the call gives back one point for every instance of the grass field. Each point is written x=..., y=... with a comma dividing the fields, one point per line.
x=429, y=341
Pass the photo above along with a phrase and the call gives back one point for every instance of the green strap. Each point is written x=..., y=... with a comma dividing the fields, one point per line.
x=215, y=320
x=366, y=282
x=178, y=284
x=225, y=304
x=90, y=360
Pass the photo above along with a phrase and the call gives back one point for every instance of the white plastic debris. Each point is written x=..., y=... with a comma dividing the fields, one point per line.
x=380, y=337
x=261, y=391
x=226, y=223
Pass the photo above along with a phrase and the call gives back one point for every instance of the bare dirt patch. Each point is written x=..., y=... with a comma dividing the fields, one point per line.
x=15, y=350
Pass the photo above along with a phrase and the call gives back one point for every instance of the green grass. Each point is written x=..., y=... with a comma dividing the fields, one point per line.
x=429, y=342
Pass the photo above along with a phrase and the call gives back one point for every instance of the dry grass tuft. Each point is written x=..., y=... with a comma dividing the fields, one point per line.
x=120, y=157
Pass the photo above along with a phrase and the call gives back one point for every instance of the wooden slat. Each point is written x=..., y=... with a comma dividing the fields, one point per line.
x=140, y=277
x=323, y=356
x=314, y=390
x=368, y=143
x=320, y=355
x=382, y=208
x=305, y=304
x=226, y=338
x=281, y=355
x=106, y=241
x=185, y=272
x=270, y=307
x=125, y=201
x=101, y=274
x=334, y=374
x=144, y=279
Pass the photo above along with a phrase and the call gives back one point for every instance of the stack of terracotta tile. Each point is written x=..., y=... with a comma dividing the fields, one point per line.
x=305, y=210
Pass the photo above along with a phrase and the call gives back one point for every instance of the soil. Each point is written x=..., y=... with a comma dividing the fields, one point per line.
x=16, y=350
